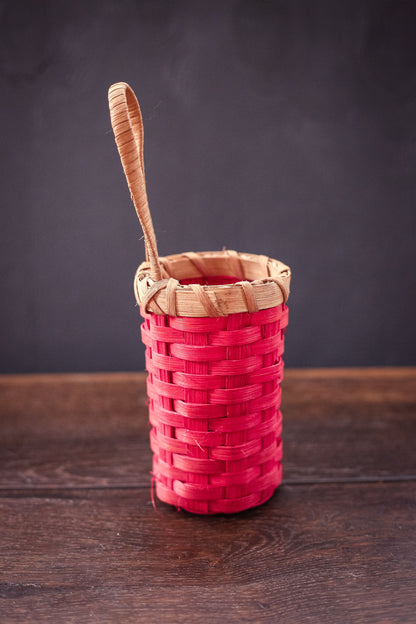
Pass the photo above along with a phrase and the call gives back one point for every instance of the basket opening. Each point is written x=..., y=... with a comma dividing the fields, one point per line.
x=210, y=280
x=217, y=267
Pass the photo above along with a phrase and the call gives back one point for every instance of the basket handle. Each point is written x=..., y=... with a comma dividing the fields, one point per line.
x=127, y=123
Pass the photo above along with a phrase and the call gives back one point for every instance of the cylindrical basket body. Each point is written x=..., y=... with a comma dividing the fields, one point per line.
x=214, y=402
x=214, y=399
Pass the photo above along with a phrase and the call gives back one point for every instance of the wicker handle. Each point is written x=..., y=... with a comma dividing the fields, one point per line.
x=127, y=123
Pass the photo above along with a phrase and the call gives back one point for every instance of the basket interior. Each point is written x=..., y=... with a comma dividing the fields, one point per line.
x=210, y=280
x=215, y=268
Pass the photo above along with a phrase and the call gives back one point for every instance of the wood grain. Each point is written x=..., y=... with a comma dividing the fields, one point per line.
x=74, y=430
x=81, y=541
x=323, y=553
x=91, y=430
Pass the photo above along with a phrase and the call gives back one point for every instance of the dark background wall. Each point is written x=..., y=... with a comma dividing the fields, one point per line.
x=284, y=128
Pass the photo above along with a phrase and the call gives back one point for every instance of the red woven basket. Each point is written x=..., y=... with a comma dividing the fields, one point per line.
x=214, y=325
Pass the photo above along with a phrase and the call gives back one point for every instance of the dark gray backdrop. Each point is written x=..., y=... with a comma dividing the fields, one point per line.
x=284, y=128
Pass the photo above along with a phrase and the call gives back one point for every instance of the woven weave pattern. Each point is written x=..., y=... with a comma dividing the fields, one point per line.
x=214, y=398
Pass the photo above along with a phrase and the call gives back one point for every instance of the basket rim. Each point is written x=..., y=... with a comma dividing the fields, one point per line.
x=264, y=283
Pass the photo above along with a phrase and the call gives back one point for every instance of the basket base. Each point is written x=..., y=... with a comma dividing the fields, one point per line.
x=221, y=506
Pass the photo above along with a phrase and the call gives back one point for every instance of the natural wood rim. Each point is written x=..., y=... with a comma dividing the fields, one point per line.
x=264, y=283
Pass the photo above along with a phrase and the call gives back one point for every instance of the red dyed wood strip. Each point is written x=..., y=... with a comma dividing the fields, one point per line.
x=194, y=491
x=161, y=469
x=271, y=315
x=157, y=388
x=237, y=451
x=204, y=325
x=236, y=478
x=236, y=367
x=162, y=416
x=166, y=334
x=200, y=410
x=159, y=441
x=194, y=353
x=200, y=438
x=159, y=360
x=198, y=465
x=267, y=401
x=235, y=505
x=268, y=373
x=230, y=396
x=198, y=382
x=236, y=423
x=273, y=452
x=268, y=345
x=229, y=338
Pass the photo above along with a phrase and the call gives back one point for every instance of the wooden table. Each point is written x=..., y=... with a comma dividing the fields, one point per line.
x=81, y=542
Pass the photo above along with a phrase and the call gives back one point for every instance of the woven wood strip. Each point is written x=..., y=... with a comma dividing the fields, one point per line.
x=216, y=438
x=127, y=123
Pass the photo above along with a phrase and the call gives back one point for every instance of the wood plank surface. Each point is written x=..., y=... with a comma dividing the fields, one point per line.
x=314, y=553
x=92, y=430
x=81, y=541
